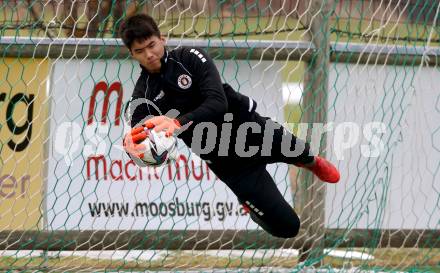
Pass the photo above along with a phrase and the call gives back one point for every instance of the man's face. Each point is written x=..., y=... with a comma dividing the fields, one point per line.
x=149, y=52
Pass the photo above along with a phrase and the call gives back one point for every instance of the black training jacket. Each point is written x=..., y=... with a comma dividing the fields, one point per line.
x=190, y=83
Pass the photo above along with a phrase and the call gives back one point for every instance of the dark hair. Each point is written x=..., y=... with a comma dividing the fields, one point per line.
x=138, y=27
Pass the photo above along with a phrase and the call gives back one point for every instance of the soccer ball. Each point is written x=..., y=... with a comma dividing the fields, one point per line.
x=160, y=149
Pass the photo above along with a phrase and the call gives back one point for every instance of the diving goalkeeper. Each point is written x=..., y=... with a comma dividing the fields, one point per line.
x=186, y=84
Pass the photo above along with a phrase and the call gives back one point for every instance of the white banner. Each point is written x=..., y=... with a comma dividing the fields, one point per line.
x=94, y=186
x=385, y=141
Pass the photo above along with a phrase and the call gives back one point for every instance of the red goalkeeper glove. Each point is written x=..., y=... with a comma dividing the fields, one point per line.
x=163, y=123
x=132, y=140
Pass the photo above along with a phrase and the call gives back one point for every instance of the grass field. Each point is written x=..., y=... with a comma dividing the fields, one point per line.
x=389, y=260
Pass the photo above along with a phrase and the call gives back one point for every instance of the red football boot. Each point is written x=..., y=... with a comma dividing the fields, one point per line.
x=323, y=169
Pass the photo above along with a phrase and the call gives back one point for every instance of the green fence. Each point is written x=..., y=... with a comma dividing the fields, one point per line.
x=358, y=79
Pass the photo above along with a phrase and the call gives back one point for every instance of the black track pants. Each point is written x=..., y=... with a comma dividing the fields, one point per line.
x=268, y=208
x=254, y=186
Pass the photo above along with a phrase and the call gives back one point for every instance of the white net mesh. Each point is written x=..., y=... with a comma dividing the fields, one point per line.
x=365, y=71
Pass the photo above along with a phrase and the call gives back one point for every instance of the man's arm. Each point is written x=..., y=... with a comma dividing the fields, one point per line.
x=135, y=114
x=204, y=71
x=137, y=111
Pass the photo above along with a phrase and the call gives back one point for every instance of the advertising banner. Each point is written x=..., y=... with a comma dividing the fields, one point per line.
x=23, y=123
x=384, y=141
x=93, y=183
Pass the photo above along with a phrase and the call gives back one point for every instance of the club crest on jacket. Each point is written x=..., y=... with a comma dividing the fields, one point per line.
x=184, y=81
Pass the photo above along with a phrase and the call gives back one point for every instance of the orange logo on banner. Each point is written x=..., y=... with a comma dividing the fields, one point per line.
x=23, y=120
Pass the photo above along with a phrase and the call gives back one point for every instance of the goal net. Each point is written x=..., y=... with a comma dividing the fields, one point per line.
x=357, y=79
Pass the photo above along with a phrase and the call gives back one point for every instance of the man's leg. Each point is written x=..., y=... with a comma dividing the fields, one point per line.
x=257, y=191
x=279, y=145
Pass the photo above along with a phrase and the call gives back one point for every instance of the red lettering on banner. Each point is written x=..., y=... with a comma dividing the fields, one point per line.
x=156, y=175
x=131, y=162
x=207, y=172
x=119, y=164
x=140, y=171
x=178, y=168
x=200, y=176
x=102, y=86
x=96, y=159
x=121, y=171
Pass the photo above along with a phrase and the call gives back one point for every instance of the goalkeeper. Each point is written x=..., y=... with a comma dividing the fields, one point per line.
x=186, y=84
